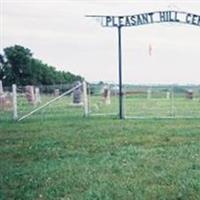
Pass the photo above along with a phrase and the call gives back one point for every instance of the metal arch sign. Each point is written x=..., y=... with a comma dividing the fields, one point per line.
x=142, y=19
x=149, y=18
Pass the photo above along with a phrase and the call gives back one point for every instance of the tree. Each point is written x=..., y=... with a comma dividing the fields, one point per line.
x=18, y=71
x=18, y=66
x=2, y=64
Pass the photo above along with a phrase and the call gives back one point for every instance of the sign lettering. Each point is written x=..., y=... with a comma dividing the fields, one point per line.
x=151, y=18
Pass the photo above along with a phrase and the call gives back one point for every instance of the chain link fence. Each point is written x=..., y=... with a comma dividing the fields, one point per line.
x=139, y=101
x=145, y=101
x=41, y=102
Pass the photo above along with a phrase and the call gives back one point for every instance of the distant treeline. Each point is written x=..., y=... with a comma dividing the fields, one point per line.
x=17, y=66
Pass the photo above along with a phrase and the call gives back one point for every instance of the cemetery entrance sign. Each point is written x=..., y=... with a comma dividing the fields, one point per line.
x=151, y=18
x=143, y=19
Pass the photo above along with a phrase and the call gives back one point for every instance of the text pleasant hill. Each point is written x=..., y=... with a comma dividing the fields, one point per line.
x=150, y=18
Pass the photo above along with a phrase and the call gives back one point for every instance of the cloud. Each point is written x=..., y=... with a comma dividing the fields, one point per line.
x=58, y=33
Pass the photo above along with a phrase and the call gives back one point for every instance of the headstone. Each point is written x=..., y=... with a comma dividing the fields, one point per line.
x=189, y=94
x=37, y=96
x=5, y=102
x=167, y=95
x=2, y=101
x=30, y=95
x=149, y=93
x=56, y=92
x=106, y=95
x=77, y=94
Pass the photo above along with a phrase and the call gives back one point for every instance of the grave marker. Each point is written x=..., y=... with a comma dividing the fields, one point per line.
x=30, y=94
x=189, y=94
x=56, y=92
x=77, y=96
x=106, y=95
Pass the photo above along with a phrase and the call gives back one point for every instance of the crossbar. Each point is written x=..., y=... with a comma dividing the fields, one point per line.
x=49, y=102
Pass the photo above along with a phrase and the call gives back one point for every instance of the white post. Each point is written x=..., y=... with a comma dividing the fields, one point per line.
x=14, y=96
x=1, y=87
x=108, y=100
x=172, y=102
x=37, y=96
x=85, y=99
x=149, y=93
x=167, y=95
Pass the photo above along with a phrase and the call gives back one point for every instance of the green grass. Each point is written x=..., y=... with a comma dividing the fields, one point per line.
x=62, y=155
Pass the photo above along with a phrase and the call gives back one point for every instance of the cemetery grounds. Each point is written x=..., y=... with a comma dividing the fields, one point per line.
x=58, y=154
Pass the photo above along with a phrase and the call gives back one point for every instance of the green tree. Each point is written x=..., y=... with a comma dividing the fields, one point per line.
x=19, y=59
x=2, y=64
x=18, y=66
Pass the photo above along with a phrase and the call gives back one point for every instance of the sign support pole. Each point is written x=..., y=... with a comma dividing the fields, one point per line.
x=121, y=112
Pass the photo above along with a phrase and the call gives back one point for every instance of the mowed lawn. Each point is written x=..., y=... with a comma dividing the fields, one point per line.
x=71, y=157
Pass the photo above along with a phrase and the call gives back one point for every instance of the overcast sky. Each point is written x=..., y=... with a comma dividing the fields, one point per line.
x=57, y=32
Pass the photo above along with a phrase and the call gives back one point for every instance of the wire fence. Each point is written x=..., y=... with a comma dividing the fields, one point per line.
x=103, y=99
x=20, y=102
x=157, y=101
x=78, y=99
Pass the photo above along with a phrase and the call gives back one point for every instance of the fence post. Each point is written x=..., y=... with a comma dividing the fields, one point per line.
x=1, y=87
x=37, y=96
x=14, y=96
x=85, y=99
x=172, y=102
